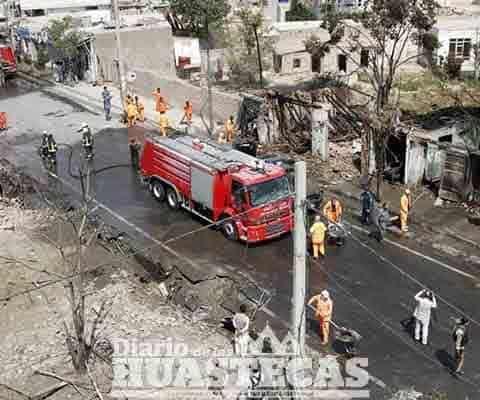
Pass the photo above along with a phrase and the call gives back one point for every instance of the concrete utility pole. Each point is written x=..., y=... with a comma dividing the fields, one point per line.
x=209, y=78
x=320, y=133
x=121, y=66
x=299, y=256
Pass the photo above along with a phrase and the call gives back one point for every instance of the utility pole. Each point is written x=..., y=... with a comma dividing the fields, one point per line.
x=476, y=54
x=209, y=80
x=299, y=256
x=259, y=56
x=121, y=66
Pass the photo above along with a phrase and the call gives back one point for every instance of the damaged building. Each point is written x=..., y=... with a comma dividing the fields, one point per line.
x=444, y=152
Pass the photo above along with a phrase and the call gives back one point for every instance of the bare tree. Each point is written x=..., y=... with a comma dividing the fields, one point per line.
x=73, y=224
x=385, y=34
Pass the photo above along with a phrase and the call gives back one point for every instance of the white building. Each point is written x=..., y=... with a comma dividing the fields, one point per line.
x=458, y=36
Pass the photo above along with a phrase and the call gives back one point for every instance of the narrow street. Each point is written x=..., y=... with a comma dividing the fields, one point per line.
x=372, y=285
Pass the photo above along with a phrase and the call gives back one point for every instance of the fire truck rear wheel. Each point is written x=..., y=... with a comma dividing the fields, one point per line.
x=229, y=230
x=158, y=190
x=172, y=199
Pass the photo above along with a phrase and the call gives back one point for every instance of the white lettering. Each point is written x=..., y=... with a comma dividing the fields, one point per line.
x=358, y=376
x=299, y=372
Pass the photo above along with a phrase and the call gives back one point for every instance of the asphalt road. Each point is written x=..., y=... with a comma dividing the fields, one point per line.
x=372, y=285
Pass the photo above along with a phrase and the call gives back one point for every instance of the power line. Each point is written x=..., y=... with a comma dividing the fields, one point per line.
x=374, y=316
x=402, y=272
x=130, y=255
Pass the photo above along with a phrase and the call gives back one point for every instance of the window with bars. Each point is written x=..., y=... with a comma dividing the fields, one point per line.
x=460, y=48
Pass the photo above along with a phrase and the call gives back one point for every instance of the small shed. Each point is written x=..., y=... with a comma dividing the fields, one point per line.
x=444, y=156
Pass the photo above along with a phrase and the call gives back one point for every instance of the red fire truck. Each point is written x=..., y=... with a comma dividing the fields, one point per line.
x=250, y=201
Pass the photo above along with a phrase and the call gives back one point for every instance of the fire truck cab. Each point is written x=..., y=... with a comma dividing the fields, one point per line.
x=247, y=199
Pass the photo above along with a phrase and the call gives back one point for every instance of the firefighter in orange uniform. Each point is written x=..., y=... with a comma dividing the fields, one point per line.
x=333, y=211
x=318, y=231
x=131, y=114
x=323, y=312
x=405, y=206
x=230, y=129
x=161, y=105
x=188, y=112
x=140, y=109
x=164, y=123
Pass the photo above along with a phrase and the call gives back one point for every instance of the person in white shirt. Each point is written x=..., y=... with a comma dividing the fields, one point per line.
x=425, y=302
x=241, y=323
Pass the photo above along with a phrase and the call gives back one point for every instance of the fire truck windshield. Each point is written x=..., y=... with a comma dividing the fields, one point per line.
x=269, y=191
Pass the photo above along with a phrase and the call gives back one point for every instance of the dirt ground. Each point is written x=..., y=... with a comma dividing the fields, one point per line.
x=33, y=337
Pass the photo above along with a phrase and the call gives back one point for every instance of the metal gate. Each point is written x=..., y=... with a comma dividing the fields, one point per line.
x=453, y=181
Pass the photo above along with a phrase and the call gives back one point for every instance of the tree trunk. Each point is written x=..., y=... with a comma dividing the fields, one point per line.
x=259, y=55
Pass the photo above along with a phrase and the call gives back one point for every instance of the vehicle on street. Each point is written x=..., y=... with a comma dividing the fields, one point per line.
x=249, y=200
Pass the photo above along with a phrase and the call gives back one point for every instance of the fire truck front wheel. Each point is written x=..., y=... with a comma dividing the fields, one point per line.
x=158, y=190
x=172, y=199
x=229, y=229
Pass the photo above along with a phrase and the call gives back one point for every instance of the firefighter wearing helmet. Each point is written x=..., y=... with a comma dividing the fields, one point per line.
x=51, y=148
x=87, y=140
x=44, y=145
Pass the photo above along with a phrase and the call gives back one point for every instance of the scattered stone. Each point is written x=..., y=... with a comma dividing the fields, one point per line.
x=438, y=202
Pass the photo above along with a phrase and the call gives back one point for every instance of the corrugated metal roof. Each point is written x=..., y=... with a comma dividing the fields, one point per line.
x=213, y=155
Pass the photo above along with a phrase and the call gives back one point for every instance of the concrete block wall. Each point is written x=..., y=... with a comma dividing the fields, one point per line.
x=149, y=53
x=288, y=63
x=176, y=91
x=148, y=48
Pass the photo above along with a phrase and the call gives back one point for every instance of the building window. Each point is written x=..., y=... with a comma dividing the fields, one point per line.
x=35, y=13
x=364, y=54
x=91, y=8
x=297, y=63
x=460, y=48
x=342, y=62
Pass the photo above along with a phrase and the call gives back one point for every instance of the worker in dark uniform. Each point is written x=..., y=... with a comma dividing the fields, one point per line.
x=87, y=140
x=134, y=153
x=44, y=145
x=52, y=149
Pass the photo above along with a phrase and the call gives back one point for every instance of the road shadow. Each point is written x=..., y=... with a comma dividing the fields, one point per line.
x=408, y=325
x=445, y=359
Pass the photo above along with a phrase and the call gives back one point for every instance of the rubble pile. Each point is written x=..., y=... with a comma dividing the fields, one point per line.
x=338, y=168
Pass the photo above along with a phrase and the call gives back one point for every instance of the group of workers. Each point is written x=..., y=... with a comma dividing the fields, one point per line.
x=332, y=211
x=376, y=214
x=48, y=147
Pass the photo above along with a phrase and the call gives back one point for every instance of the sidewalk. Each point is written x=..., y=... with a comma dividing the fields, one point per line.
x=446, y=220
x=90, y=96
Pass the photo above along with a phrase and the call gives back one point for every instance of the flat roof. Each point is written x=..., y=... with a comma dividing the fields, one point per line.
x=213, y=155
x=458, y=22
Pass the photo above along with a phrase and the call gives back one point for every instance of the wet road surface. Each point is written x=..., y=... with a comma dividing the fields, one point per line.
x=370, y=295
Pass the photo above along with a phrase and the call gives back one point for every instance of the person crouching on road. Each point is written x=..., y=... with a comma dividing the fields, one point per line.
x=323, y=312
x=241, y=323
x=425, y=302
x=380, y=217
x=318, y=231
x=164, y=123
x=405, y=206
x=333, y=211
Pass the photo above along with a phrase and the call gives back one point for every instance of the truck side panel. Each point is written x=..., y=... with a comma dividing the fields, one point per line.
x=222, y=194
x=167, y=165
